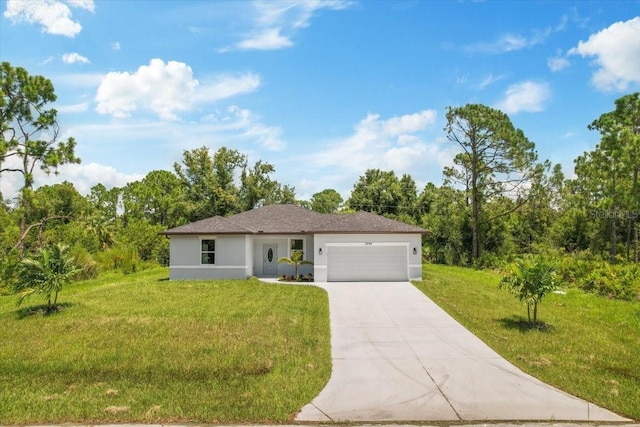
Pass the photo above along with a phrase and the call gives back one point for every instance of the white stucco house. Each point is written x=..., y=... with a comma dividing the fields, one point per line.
x=342, y=247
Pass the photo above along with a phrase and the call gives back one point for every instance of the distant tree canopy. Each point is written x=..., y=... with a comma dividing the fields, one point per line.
x=224, y=184
x=28, y=130
x=326, y=201
x=29, y=134
x=497, y=200
x=496, y=159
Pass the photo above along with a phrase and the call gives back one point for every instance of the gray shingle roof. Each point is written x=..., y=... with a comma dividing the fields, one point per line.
x=294, y=219
x=209, y=225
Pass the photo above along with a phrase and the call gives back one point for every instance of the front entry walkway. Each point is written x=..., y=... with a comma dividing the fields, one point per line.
x=398, y=357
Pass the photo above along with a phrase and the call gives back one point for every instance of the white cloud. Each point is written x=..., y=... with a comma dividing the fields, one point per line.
x=403, y=144
x=53, y=16
x=275, y=23
x=510, y=42
x=225, y=86
x=71, y=58
x=115, y=46
x=269, y=39
x=557, y=63
x=165, y=89
x=83, y=177
x=409, y=123
x=617, y=55
x=75, y=108
x=385, y=144
x=249, y=127
x=83, y=4
x=526, y=96
x=488, y=81
x=86, y=176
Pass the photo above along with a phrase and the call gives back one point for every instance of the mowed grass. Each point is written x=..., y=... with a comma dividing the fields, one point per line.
x=588, y=346
x=140, y=348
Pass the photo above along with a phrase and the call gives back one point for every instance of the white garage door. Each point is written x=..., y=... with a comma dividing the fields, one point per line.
x=378, y=263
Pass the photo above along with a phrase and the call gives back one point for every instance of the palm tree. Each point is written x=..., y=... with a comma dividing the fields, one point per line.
x=46, y=274
x=296, y=259
x=103, y=229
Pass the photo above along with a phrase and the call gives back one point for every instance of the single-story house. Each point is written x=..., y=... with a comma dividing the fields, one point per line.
x=342, y=247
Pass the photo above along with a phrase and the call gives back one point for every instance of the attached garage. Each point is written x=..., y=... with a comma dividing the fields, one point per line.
x=376, y=262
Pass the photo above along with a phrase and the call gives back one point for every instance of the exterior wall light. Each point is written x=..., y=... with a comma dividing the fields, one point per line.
x=415, y=251
x=320, y=251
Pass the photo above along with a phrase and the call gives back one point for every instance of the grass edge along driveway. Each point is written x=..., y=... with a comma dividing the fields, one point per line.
x=589, y=345
x=142, y=349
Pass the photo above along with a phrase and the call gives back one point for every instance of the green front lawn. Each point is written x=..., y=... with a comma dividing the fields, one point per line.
x=139, y=348
x=589, y=346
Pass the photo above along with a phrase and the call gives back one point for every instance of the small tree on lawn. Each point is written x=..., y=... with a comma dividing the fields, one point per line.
x=46, y=274
x=296, y=259
x=530, y=279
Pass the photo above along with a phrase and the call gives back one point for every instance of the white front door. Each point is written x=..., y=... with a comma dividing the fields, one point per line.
x=269, y=260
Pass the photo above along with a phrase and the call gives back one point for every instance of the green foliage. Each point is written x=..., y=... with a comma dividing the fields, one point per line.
x=24, y=119
x=296, y=260
x=101, y=229
x=46, y=274
x=613, y=281
x=609, y=177
x=123, y=258
x=256, y=186
x=326, y=201
x=530, y=279
x=572, y=230
x=88, y=267
x=159, y=198
x=376, y=191
x=105, y=202
x=29, y=136
x=211, y=188
x=594, y=273
x=8, y=268
x=496, y=159
x=448, y=222
x=145, y=238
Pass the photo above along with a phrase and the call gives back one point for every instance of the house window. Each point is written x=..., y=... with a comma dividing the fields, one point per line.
x=208, y=251
x=296, y=245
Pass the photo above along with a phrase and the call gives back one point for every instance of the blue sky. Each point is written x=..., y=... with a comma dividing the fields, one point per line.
x=323, y=90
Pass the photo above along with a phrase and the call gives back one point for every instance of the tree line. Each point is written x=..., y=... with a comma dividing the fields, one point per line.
x=497, y=201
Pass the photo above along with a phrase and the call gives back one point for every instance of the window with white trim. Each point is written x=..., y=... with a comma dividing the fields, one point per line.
x=208, y=251
x=296, y=245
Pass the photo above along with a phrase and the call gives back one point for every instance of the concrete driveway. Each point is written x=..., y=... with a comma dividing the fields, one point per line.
x=398, y=357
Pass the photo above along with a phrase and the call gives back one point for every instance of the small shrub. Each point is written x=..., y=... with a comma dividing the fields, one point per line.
x=85, y=262
x=161, y=253
x=613, y=281
x=492, y=261
x=530, y=279
x=121, y=258
x=46, y=274
x=8, y=267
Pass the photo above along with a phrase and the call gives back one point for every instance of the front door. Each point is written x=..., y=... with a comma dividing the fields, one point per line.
x=269, y=260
